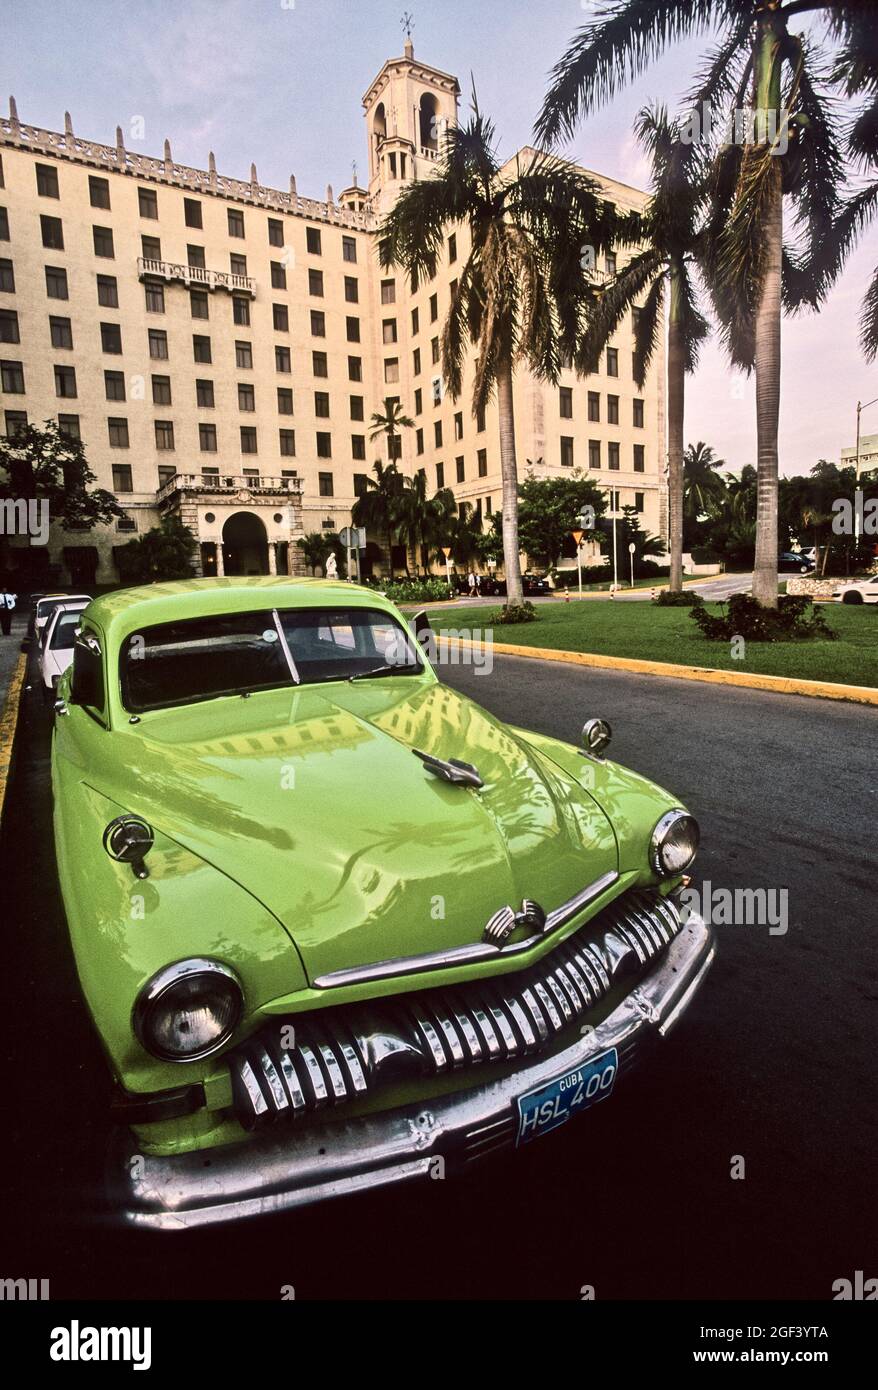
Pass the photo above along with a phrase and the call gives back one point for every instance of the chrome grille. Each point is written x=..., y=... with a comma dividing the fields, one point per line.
x=338, y=1054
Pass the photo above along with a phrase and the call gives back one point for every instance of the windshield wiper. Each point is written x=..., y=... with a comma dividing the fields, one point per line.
x=375, y=671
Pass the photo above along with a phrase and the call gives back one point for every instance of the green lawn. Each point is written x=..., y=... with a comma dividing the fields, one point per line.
x=668, y=634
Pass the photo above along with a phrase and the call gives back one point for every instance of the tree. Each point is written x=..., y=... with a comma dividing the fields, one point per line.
x=378, y=508
x=768, y=72
x=630, y=532
x=549, y=510
x=668, y=237
x=316, y=548
x=163, y=552
x=703, y=487
x=390, y=424
x=521, y=294
x=44, y=464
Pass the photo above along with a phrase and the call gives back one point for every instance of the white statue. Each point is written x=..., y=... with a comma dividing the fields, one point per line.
x=332, y=567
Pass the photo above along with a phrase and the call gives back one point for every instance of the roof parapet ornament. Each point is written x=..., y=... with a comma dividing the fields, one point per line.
x=293, y=193
x=69, y=138
x=211, y=169
x=13, y=116
x=120, y=146
x=169, y=163
x=254, y=181
x=330, y=198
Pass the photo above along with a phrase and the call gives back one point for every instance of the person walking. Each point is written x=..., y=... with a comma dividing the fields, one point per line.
x=7, y=608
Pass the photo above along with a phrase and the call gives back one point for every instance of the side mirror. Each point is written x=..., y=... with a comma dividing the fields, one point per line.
x=60, y=707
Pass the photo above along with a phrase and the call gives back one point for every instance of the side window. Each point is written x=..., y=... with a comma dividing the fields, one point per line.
x=87, y=687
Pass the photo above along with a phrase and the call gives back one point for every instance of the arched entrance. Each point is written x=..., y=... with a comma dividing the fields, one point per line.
x=245, y=545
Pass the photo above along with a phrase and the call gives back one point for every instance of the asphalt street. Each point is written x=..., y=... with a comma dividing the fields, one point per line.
x=773, y=1063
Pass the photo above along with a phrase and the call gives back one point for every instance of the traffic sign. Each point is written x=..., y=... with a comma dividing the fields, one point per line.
x=577, y=536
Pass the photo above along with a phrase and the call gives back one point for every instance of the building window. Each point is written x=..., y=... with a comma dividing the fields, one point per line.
x=65, y=381
x=321, y=404
x=352, y=327
x=638, y=412
x=9, y=328
x=47, y=181
x=458, y=424
x=567, y=450
x=56, y=280
x=12, y=378
x=102, y=239
x=155, y=299
x=312, y=240
x=60, y=332
x=434, y=349
x=594, y=453
x=437, y=391
x=325, y=486
x=275, y=232
x=419, y=401
x=480, y=419
x=16, y=423
x=437, y=433
x=121, y=471
x=166, y=472
x=158, y=343
x=358, y=446
x=108, y=292
x=111, y=337
x=361, y=485
x=351, y=289
x=4, y=225
x=282, y=359
x=244, y=356
x=440, y=475
x=284, y=400
x=248, y=439
x=419, y=441
x=594, y=406
x=240, y=311
x=207, y=439
x=388, y=291
x=192, y=212
x=348, y=249
x=201, y=348
x=324, y=446
x=612, y=361
x=151, y=248
x=278, y=276
x=416, y=322
x=246, y=396
x=320, y=364
x=638, y=501
x=53, y=233
x=434, y=308
x=69, y=426
x=452, y=248
x=566, y=402
x=287, y=439
x=460, y=467
x=204, y=394
x=161, y=390
x=117, y=428
x=195, y=257
x=237, y=264
x=198, y=304
x=114, y=386
x=318, y=323
x=391, y=369
x=612, y=410
x=148, y=202
x=416, y=362
x=98, y=192
x=315, y=282
x=357, y=408
x=482, y=457
x=164, y=435
x=610, y=262
x=236, y=222
x=613, y=456
x=639, y=458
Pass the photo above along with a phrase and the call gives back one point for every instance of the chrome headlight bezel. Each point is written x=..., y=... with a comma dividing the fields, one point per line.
x=154, y=995
x=661, y=833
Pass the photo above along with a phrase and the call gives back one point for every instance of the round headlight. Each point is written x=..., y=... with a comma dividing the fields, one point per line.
x=674, y=843
x=188, y=1010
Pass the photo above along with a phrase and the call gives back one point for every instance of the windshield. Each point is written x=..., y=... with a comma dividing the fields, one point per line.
x=65, y=628
x=239, y=653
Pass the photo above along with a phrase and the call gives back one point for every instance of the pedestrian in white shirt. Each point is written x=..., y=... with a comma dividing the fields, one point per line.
x=7, y=608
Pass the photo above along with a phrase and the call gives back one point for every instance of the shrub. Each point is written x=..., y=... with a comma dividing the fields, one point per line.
x=415, y=590
x=666, y=599
x=794, y=620
x=705, y=555
x=516, y=613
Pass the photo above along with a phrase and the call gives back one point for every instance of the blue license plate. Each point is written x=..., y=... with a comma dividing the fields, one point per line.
x=554, y=1103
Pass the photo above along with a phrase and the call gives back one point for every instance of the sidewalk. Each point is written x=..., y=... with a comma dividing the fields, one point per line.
x=13, y=665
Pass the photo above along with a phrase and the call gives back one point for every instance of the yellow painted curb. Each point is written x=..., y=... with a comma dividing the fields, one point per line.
x=9, y=722
x=783, y=685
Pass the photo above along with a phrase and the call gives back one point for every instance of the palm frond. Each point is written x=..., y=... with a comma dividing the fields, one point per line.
x=612, y=305
x=869, y=320
x=650, y=323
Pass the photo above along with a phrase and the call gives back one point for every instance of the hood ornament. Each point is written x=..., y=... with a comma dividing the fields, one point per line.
x=452, y=770
x=500, y=927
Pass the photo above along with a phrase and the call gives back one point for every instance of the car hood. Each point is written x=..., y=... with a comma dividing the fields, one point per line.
x=314, y=802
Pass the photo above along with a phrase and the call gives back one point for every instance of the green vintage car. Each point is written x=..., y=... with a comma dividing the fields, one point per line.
x=335, y=924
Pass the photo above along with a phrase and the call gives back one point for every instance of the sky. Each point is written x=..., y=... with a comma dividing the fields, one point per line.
x=279, y=83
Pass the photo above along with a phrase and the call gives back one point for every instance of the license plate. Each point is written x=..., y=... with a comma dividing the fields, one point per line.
x=554, y=1103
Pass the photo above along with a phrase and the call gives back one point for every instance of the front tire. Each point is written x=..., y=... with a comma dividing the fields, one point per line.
x=852, y=596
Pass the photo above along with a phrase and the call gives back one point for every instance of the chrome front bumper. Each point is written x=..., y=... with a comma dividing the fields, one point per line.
x=275, y=1170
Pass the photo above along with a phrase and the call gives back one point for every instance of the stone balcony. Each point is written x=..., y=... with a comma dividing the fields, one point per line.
x=240, y=487
x=195, y=277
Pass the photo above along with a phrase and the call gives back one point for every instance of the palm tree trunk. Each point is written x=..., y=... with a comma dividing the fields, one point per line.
x=767, y=346
x=509, y=476
x=676, y=397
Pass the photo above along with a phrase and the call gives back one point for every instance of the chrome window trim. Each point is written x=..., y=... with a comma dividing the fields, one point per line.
x=466, y=955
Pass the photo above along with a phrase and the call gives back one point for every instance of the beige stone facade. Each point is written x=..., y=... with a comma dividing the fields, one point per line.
x=227, y=344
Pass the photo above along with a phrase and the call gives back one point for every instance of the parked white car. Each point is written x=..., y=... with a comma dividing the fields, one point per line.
x=46, y=606
x=864, y=591
x=56, y=643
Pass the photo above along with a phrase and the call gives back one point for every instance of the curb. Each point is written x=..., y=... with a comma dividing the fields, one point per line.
x=9, y=723
x=751, y=680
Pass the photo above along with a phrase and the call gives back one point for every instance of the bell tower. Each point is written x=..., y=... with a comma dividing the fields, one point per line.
x=408, y=107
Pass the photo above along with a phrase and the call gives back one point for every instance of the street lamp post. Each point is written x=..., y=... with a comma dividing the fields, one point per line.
x=613, y=500
x=631, y=549
x=861, y=406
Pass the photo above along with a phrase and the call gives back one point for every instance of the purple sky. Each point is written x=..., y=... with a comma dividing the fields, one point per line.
x=279, y=82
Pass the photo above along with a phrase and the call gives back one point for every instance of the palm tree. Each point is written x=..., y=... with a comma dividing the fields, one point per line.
x=315, y=547
x=669, y=235
x=763, y=67
x=521, y=294
x=703, y=487
x=391, y=423
x=415, y=515
x=378, y=508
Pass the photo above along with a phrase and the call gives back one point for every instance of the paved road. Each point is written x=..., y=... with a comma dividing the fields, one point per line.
x=774, y=1062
